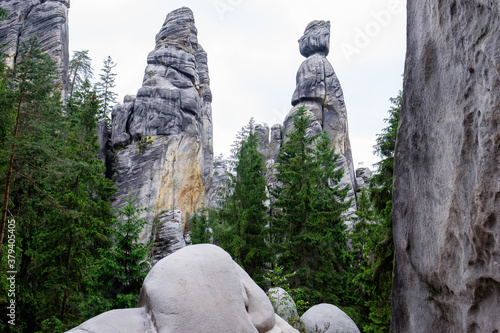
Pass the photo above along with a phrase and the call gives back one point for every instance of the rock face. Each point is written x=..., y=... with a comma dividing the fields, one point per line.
x=197, y=289
x=45, y=19
x=163, y=136
x=283, y=304
x=447, y=171
x=318, y=88
x=167, y=236
x=327, y=318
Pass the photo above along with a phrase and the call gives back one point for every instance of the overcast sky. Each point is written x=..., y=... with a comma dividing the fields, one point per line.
x=253, y=55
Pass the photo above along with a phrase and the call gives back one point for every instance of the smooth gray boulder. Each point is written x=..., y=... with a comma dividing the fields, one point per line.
x=327, y=318
x=446, y=199
x=118, y=321
x=196, y=289
x=162, y=136
x=283, y=304
x=45, y=19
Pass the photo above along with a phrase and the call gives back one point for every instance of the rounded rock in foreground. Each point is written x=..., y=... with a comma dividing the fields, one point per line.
x=328, y=318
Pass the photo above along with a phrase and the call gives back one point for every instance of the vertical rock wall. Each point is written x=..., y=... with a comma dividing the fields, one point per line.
x=45, y=19
x=163, y=136
x=447, y=171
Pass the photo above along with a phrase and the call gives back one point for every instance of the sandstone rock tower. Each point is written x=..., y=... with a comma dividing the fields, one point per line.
x=447, y=171
x=163, y=136
x=45, y=19
x=318, y=88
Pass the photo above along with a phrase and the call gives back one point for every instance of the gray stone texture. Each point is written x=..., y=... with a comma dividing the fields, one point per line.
x=163, y=135
x=197, y=289
x=283, y=304
x=45, y=19
x=167, y=235
x=327, y=318
x=319, y=90
x=446, y=204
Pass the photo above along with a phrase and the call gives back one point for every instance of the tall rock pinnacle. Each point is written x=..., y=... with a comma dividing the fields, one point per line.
x=318, y=88
x=45, y=19
x=163, y=136
x=446, y=201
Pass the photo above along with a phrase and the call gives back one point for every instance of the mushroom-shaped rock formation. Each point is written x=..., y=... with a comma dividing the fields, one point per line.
x=319, y=90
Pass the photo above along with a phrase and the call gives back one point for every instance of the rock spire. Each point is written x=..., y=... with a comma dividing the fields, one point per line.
x=318, y=88
x=163, y=136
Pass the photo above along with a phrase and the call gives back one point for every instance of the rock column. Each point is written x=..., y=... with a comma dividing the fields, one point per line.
x=447, y=171
x=318, y=88
x=163, y=136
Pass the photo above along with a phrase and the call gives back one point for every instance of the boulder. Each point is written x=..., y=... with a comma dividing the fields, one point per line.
x=327, y=318
x=196, y=289
x=446, y=196
x=283, y=304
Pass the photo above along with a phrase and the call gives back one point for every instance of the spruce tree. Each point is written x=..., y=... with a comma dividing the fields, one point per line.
x=104, y=87
x=80, y=69
x=243, y=216
x=121, y=270
x=309, y=233
x=372, y=237
x=58, y=196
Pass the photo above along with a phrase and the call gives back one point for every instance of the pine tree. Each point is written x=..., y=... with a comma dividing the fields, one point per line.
x=104, y=87
x=69, y=242
x=120, y=272
x=373, y=234
x=80, y=70
x=243, y=217
x=58, y=195
x=309, y=233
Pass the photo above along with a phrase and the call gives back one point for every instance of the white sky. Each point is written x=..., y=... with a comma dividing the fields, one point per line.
x=253, y=55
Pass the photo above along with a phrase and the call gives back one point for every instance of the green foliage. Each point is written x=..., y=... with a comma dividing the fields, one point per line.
x=202, y=226
x=121, y=270
x=104, y=88
x=307, y=229
x=59, y=196
x=372, y=237
x=80, y=70
x=3, y=14
x=242, y=231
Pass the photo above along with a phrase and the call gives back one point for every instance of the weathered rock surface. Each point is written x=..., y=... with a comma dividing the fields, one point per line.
x=197, y=289
x=363, y=176
x=283, y=304
x=319, y=90
x=163, y=135
x=328, y=318
x=219, y=182
x=168, y=235
x=447, y=171
x=45, y=19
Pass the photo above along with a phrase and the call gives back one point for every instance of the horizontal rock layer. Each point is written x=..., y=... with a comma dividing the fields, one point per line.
x=447, y=171
x=162, y=136
x=45, y=19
